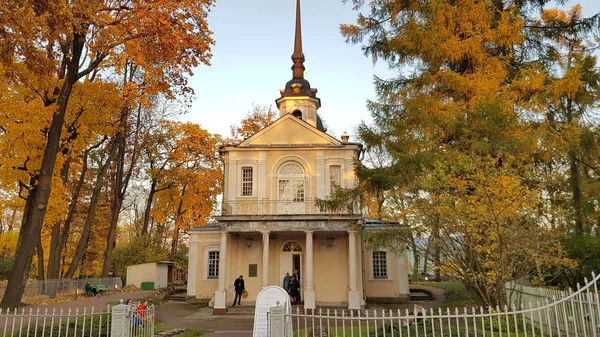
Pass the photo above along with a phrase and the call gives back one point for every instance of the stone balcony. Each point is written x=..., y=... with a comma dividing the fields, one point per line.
x=277, y=207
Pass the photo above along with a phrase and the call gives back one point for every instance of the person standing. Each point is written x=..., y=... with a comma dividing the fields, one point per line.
x=239, y=289
x=294, y=289
x=296, y=275
x=286, y=282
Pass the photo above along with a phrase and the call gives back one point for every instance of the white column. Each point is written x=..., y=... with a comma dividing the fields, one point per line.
x=265, y=259
x=353, y=294
x=261, y=182
x=192, y=266
x=403, y=285
x=221, y=293
x=321, y=175
x=309, y=289
x=232, y=179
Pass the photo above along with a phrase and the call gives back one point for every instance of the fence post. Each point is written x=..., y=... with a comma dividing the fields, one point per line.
x=119, y=326
x=277, y=326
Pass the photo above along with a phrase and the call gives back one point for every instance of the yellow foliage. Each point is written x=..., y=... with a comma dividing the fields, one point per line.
x=8, y=242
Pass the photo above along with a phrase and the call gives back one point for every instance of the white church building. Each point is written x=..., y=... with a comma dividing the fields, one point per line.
x=270, y=224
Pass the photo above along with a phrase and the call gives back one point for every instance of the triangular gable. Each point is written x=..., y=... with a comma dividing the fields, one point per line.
x=289, y=130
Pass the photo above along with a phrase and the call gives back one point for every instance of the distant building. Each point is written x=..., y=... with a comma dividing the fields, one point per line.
x=152, y=275
x=270, y=225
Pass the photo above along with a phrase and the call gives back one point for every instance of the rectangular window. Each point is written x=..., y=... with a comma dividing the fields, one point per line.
x=246, y=181
x=213, y=264
x=379, y=265
x=335, y=177
x=298, y=190
x=252, y=270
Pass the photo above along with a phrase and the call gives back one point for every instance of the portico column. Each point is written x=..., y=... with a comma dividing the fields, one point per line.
x=265, y=259
x=309, y=290
x=403, y=285
x=192, y=266
x=221, y=293
x=353, y=294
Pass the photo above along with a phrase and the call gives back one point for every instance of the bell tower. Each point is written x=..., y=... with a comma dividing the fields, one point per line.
x=298, y=98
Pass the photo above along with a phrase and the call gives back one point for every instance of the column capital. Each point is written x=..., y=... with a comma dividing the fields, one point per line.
x=265, y=233
x=352, y=232
x=309, y=233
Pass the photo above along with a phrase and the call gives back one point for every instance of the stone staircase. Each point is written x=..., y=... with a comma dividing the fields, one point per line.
x=241, y=311
x=418, y=294
x=177, y=294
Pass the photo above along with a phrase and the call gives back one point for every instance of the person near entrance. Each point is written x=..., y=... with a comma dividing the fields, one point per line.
x=296, y=275
x=239, y=289
x=286, y=282
x=294, y=289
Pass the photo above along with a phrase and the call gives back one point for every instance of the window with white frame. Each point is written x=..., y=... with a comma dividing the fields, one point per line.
x=335, y=177
x=246, y=181
x=213, y=264
x=380, y=265
x=291, y=182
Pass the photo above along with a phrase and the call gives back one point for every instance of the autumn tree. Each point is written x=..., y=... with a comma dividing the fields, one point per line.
x=452, y=122
x=257, y=119
x=566, y=92
x=192, y=176
x=51, y=48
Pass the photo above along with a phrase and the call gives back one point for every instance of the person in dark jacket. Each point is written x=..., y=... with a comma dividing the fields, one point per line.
x=286, y=282
x=239, y=289
x=294, y=289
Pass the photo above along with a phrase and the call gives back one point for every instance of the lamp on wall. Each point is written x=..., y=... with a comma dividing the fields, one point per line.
x=329, y=241
x=248, y=242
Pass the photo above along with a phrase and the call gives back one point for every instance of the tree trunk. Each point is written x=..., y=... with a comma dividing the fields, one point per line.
x=576, y=192
x=117, y=202
x=436, y=249
x=55, y=248
x=425, y=258
x=39, y=194
x=40, y=272
x=415, y=267
x=178, y=221
x=87, y=227
x=121, y=182
x=149, y=207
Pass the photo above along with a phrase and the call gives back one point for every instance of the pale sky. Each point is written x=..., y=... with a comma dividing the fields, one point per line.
x=251, y=62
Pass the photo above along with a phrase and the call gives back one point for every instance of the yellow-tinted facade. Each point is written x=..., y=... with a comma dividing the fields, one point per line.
x=270, y=224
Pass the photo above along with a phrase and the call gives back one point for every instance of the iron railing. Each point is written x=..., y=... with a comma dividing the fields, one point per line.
x=65, y=286
x=577, y=314
x=277, y=207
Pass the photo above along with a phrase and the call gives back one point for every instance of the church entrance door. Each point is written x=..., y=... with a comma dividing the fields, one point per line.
x=291, y=259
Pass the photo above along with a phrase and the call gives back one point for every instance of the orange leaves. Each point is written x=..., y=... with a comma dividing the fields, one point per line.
x=256, y=120
x=188, y=174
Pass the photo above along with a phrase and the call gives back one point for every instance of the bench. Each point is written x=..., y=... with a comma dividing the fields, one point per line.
x=101, y=287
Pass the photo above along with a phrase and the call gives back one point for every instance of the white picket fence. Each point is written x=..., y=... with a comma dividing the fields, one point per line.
x=573, y=314
x=119, y=320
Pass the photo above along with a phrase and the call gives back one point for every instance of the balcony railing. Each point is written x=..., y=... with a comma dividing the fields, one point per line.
x=276, y=207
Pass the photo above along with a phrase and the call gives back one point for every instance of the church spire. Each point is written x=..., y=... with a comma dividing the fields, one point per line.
x=298, y=55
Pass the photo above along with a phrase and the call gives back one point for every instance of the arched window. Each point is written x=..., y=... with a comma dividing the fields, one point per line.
x=297, y=113
x=290, y=182
x=291, y=247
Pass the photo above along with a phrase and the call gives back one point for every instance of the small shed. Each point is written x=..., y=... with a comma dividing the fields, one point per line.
x=151, y=275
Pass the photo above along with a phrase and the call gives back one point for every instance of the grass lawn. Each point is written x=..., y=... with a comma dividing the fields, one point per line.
x=457, y=296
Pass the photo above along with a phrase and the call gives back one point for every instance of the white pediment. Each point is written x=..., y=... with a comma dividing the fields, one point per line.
x=289, y=130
